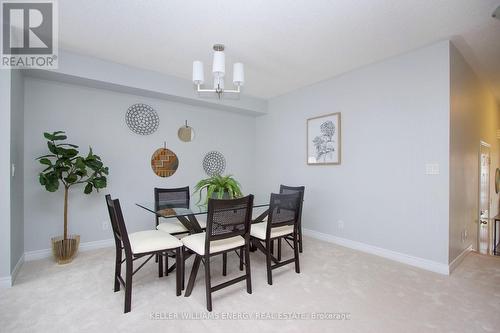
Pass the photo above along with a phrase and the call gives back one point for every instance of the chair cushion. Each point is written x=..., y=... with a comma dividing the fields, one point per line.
x=258, y=230
x=176, y=227
x=196, y=243
x=172, y=227
x=152, y=240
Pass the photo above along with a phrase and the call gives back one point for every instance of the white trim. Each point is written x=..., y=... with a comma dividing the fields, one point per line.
x=16, y=269
x=87, y=246
x=5, y=282
x=8, y=281
x=426, y=264
x=458, y=260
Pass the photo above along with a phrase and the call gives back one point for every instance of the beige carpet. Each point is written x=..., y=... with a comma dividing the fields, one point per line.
x=377, y=294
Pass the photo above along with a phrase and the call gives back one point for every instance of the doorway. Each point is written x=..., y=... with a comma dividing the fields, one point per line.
x=483, y=234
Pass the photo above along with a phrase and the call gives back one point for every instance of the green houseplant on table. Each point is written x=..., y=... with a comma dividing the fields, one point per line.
x=65, y=166
x=219, y=187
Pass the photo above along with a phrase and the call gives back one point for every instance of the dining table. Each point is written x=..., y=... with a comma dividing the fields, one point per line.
x=176, y=210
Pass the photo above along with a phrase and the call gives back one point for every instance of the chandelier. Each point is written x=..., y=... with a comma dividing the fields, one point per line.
x=218, y=72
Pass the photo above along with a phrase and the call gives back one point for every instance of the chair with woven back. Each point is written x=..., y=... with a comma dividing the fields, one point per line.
x=282, y=223
x=166, y=198
x=285, y=189
x=228, y=229
x=138, y=245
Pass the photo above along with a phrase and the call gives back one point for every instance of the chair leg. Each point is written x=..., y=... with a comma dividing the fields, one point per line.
x=296, y=252
x=208, y=285
x=300, y=237
x=268, y=263
x=279, y=249
x=160, y=265
x=128, y=285
x=241, y=258
x=118, y=268
x=192, y=277
x=182, y=268
x=271, y=247
x=178, y=271
x=224, y=264
x=247, y=266
x=166, y=264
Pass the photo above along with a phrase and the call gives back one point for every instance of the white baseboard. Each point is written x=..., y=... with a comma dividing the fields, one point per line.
x=16, y=269
x=5, y=282
x=458, y=260
x=8, y=281
x=87, y=246
x=381, y=252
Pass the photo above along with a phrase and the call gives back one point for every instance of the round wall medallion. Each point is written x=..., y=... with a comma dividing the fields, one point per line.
x=164, y=162
x=142, y=119
x=214, y=163
x=186, y=133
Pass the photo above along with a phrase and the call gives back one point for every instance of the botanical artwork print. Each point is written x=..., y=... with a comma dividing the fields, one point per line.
x=323, y=139
x=324, y=143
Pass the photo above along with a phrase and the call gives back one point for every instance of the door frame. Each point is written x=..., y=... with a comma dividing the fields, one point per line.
x=482, y=144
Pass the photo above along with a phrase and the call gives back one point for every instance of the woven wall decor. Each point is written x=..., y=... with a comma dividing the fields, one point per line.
x=142, y=119
x=164, y=162
x=214, y=163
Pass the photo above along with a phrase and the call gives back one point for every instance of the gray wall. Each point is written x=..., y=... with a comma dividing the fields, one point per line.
x=395, y=119
x=96, y=117
x=17, y=159
x=474, y=118
x=5, y=89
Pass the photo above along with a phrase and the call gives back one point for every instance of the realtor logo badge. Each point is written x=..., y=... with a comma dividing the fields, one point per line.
x=29, y=34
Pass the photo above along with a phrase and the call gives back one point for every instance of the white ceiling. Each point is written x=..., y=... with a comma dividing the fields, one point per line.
x=284, y=44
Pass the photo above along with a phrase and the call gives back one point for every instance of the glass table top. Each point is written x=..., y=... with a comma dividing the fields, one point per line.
x=168, y=209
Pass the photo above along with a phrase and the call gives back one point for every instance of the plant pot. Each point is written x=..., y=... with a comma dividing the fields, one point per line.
x=64, y=250
x=215, y=195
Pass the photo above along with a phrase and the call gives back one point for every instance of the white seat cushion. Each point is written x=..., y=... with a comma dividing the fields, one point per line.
x=176, y=227
x=196, y=243
x=172, y=227
x=152, y=240
x=258, y=230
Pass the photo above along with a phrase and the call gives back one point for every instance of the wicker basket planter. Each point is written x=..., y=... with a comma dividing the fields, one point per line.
x=64, y=250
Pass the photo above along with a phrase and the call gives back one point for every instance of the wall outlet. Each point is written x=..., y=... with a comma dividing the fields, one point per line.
x=105, y=225
x=340, y=224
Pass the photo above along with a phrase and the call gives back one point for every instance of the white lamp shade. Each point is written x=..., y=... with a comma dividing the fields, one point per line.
x=198, y=76
x=219, y=81
x=219, y=66
x=238, y=74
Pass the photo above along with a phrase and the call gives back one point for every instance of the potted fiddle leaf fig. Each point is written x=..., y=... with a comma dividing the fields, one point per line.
x=65, y=167
x=219, y=187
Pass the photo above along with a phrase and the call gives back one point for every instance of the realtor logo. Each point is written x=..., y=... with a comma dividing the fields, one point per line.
x=29, y=34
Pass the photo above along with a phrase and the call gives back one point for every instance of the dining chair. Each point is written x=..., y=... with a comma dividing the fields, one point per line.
x=284, y=189
x=173, y=198
x=166, y=198
x=228, y=229
x=137, y=245
x=282, y=222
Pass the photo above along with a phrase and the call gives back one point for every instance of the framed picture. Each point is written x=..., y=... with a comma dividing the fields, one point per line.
x=323, y=139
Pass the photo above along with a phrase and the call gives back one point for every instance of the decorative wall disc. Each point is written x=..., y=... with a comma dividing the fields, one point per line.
x=164, y=162
x=142, y=119
x=214, y=163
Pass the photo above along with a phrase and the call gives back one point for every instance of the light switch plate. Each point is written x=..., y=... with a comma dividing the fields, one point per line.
x=13, y=170
x=432, y=169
